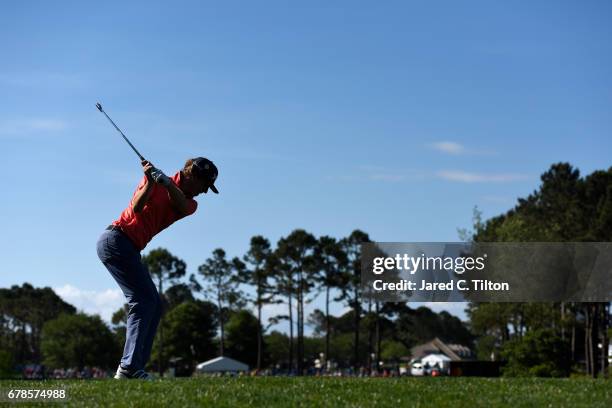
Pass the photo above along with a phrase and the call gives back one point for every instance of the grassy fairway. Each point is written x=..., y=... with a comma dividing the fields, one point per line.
x=278, y=391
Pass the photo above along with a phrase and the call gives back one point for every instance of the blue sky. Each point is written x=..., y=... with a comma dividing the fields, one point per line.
x=395, y=118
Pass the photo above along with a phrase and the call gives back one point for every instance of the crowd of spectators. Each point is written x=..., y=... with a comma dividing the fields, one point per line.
x=337, y=372
x=85, y=373
x=39, y=372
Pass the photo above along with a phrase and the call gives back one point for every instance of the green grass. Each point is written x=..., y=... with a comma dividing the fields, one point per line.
x=356, y=392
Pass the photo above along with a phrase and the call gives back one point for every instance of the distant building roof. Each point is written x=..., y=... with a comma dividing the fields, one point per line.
x=221, y=364
x=436, y=358
x=455, y=352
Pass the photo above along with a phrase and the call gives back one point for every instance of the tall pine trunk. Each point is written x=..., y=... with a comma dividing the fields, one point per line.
x=221, y=327
x=587, y=342
x=300, y=325
x=370, y=336
x=604, y=318
x=161, y=334
x=327, y=325
x=573, y=341
x=259, y=333
x=290, y=332
x=563, y=321
x=378, y=340
x=590, y=340
x=357, y=310
x=594, y=339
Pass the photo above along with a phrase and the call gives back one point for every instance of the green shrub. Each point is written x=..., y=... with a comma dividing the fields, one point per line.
x=6, y=365
x=539, y=353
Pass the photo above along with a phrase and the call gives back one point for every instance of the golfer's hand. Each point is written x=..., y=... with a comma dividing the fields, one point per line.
x=159, y=177
x=147, y=168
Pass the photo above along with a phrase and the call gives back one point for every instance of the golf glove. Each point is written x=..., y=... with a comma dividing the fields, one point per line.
x=159, y=177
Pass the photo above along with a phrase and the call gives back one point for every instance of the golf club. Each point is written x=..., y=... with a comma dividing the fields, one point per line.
x=99, y=106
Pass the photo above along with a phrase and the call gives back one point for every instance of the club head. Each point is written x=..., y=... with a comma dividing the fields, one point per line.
x=99, y=106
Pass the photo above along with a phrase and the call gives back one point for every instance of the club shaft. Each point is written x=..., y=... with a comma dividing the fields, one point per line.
x=124, y=137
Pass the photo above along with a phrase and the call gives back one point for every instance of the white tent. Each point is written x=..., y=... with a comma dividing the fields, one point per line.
x=438, y=359
x=220, y=365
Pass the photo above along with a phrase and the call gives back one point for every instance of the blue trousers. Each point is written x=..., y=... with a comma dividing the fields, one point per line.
x=123, y=261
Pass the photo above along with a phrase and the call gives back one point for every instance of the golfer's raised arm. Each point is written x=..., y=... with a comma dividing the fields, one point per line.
x=178, y=199
x=144, y=192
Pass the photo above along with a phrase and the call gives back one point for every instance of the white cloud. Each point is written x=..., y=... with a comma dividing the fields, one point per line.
x=467, y=177
x=18, y=127
x=103, y=302
x=448, y=147
x=457, y=149
x=382, y=175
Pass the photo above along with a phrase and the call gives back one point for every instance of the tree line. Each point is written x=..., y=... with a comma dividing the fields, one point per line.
x=209, y=313
x=218, y=309
x=298, y=269
x=549, y=338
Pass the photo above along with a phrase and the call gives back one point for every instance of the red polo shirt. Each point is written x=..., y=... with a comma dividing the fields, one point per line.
x=156, y=215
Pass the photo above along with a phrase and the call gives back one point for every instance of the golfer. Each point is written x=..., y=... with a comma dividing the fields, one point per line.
x=158, y=202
